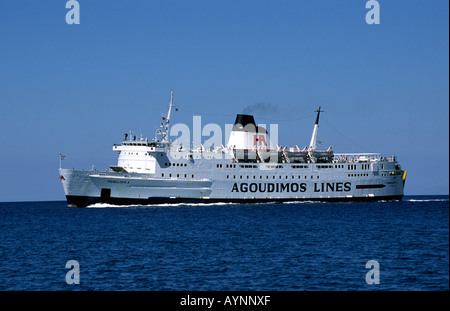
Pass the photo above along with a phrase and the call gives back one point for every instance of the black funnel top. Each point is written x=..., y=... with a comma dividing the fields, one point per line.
x=244, y=122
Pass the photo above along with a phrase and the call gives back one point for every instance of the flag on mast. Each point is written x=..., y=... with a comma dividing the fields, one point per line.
x=61, y=157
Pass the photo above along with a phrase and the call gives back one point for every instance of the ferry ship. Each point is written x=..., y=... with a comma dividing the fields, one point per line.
x=247, y=170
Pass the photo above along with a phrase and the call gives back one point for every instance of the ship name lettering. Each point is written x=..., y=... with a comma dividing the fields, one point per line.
x=269, y=187
x=332, y=187
x=291, y=187
x=116, y=181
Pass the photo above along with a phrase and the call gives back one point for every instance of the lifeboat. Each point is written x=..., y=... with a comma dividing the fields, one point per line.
x=296, y=155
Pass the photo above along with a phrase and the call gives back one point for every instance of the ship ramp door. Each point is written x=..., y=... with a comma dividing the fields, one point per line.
x=105, y=193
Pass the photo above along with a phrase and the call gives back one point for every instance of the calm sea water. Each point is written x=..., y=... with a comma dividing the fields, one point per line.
x=297, y=246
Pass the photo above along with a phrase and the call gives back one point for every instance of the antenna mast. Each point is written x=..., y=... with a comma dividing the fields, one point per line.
x=313, y=143
x=165, y=124
x=170, y=106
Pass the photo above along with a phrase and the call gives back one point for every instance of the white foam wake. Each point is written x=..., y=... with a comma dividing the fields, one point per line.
x=427, y=200
x=107, y=205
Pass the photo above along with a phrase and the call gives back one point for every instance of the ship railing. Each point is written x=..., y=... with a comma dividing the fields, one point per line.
x=357, y=157
x=337, y=157
x=361, y=157
x=200, y=149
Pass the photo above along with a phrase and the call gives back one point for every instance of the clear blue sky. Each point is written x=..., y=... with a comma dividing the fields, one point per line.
x=75, y=89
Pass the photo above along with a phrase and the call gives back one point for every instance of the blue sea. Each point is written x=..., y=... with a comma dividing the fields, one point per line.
x=305, y=246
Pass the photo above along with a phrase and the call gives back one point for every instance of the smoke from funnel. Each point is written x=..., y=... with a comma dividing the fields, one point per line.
x=260, y=108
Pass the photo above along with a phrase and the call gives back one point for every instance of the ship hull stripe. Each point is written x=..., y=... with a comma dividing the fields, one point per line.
x=369, y=186
x=83, y=201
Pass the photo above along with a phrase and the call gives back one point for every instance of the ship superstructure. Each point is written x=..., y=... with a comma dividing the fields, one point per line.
x=248, y=169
